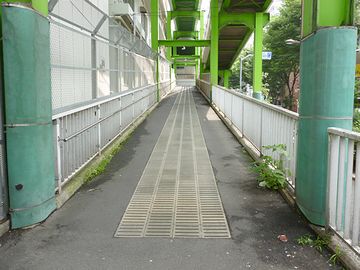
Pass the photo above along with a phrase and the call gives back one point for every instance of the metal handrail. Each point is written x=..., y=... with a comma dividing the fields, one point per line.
x=99, y=101
x=344, y=133
x=262, y=103
x=101, y=120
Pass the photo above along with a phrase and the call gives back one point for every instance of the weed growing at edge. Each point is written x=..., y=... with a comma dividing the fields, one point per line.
x=334, y=259
x=272, y=172
x=318, y=243
x=105, y=162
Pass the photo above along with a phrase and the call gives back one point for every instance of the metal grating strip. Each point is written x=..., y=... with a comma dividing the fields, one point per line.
x=177, y=194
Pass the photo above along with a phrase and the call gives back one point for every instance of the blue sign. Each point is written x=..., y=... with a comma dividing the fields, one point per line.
x=266, y=55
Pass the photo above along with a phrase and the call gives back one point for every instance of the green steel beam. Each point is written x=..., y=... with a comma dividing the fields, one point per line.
x=185, y=57
x=185, y=62
x=185, y=43
x=247, y=19
x=168, y=34
x=327, y=54
x=241, y=47
x=185, y=13
x=227, y=74
x=202, y=28
x=257, y=66
x=39, y=5
x=266, y=5
x=324, y=13
x=154, y=24
x=225, y=4
x=185, y=34
x=201, y=36
x=155, y=38
x=214, y=54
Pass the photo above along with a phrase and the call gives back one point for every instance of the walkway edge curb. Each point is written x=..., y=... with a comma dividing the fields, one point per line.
x=4, y=227
x=348, y=258
x=70, y=188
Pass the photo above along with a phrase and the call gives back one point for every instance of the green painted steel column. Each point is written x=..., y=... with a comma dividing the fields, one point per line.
x=30, y=157
x=214, y=48
x=227, y=74
x=327, y=64
x=201, y=36
x=155, y=39
x=39, y=5
x=323, y=13
x=168, y=34
x=257, y=67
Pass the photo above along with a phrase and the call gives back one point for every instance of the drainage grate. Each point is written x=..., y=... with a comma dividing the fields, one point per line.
x=177, y=194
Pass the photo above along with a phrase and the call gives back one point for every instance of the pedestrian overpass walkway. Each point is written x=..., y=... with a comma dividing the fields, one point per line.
x=182, y=176
x=177, y=194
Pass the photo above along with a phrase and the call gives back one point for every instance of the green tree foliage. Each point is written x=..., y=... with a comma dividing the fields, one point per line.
x=357, y=13
x=285, y=60
x=247, y=74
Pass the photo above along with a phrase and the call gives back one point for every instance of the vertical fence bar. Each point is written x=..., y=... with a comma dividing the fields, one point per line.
x=99, y=128
x=58, y=156
x=356, y=222
x=133, y=106
x=340, y=186
x=261, y=132
x=349, y=189
x=120, y=115
x=333, y=175
x=242, y=118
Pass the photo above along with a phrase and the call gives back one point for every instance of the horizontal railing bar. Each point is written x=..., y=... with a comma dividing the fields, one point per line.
x=206, y=82
x=93, y=103
x=344, y=133
x=102, y=119
x=68, y=178
x=262, y=103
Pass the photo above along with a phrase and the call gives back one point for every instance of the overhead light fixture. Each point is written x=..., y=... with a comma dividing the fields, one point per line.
x=292, y=42
x=183, y=48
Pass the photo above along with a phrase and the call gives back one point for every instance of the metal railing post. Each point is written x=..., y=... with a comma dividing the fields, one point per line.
x=242, y=118
x=261, y=131
x=99, y=128
x=58, y=156
x=133, y=106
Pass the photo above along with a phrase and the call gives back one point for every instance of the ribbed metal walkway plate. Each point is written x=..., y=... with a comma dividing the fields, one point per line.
x=177, y=194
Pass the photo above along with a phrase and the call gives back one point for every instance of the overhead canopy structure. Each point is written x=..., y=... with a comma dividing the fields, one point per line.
x=237, y=21
x=230, y=26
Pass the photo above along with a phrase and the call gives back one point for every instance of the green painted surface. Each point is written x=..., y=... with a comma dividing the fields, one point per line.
x=41, y=6
x=214, y=61
x=324, y=13
x=327, y=94
x=155, y=38
x=168, y=34
x=154, y=24
x=226, y=18
x=334, y=12
x=185, y=13
x=227, y=74
x=30, y=154
x=186, y=43
x=258, y=45
x=186, y=34
x=308, y=17
x=192, y=57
